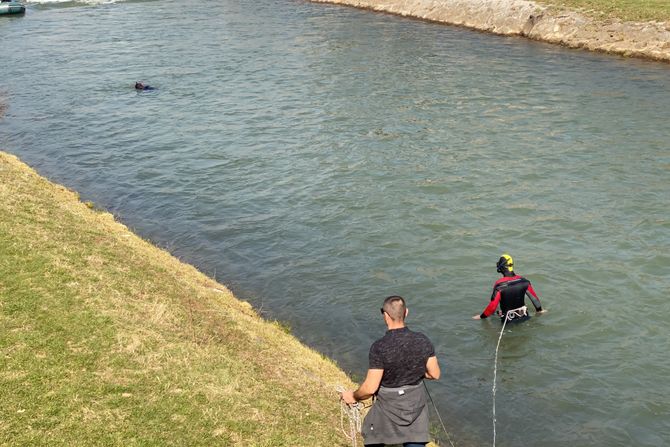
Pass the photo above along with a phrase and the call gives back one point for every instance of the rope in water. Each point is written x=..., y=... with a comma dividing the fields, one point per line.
x=353, y=413
x=438, y=414
x=514, y=313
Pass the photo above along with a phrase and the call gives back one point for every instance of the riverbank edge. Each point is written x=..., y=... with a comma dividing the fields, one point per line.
x=155, y=323
x=570, y=28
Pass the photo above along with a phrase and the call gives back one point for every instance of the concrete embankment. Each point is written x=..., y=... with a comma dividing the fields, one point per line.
x=539, y=22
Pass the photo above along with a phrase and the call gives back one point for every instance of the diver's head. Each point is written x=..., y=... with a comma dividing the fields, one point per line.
x=139, y=85
x=505, y=264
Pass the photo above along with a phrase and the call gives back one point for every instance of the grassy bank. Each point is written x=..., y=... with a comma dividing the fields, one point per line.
x=107, y=340
x=630, y=10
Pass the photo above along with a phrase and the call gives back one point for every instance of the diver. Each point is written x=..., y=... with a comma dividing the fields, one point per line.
x=509, y=292
x=140, y=86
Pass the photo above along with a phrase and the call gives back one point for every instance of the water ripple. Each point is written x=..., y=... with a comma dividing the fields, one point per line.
x=318, y=158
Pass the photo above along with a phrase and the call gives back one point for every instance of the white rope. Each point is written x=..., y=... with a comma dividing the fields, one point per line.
x=511, y=314
x=353, y=413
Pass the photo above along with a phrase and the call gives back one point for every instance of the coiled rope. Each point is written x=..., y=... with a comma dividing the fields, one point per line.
x=353, y=414
x=511, y=314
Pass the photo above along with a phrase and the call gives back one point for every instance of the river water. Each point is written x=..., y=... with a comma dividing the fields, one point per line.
x=318, y=158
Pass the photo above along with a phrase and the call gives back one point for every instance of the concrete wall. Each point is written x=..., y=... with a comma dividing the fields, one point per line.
x=535, y=21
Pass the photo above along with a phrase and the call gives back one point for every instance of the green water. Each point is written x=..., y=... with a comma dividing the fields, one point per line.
x=317, y=159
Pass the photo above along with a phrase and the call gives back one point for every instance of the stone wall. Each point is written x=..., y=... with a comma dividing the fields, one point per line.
x=525, y=18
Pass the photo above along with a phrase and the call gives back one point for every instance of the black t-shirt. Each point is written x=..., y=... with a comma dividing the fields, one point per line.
x=402, y=354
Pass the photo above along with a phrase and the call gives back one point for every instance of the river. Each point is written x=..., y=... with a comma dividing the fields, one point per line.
x=317, y=158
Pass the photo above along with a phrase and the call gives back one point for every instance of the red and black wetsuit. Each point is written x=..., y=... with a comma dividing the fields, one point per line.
x=510, y=293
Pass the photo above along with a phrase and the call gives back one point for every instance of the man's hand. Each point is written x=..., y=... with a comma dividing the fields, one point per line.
x=477, y=317
x=348, y=397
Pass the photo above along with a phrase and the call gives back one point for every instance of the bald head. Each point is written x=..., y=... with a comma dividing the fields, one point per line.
x=395, y=307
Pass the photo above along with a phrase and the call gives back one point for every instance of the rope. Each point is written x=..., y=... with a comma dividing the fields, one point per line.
x=438, y=414
x=353, y=413
x=510, y=315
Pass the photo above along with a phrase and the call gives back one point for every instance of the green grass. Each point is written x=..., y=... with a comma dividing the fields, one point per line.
x=629, y=10
x=107, y=340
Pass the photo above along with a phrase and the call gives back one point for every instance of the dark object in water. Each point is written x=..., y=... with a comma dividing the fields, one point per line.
x=140, y=86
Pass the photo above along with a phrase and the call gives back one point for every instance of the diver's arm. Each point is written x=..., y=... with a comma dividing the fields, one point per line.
x=491, y=308
x=530, y=293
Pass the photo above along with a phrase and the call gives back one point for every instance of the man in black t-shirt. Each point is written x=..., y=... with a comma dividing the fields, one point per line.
x=399, y=361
